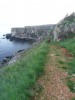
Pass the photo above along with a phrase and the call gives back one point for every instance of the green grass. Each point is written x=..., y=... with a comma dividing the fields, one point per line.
x=61, y=62
x=71, y=85
x=71, y=66
x=64, y=67
x=69, y=44
x=17, y=81
x=73, y=98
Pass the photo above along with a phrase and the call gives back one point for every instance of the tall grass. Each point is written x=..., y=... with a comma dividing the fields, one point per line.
x=17, y=81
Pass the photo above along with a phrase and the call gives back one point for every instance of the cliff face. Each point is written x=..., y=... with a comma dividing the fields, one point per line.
x=65, y=28
x=32, y=32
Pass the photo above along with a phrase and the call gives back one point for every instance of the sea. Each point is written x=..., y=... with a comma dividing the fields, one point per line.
x=9, y=48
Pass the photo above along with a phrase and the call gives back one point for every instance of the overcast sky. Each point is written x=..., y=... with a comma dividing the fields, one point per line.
x=19, y=13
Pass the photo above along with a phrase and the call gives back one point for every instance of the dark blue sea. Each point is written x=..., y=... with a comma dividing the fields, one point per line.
x=8, y=48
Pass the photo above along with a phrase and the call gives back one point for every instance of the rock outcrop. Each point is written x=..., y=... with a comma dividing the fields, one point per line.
x=32, y=32
x=65, y=28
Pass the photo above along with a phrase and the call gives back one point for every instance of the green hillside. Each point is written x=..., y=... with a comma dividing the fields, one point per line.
x=69, y=44
x=17, y=81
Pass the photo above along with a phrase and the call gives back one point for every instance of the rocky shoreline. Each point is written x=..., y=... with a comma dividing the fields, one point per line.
x=31, y=34
x=11, y=37
x=10, y=59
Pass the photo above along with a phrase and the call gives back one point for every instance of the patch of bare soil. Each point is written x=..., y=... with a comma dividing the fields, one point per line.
x=54, y=81
x=66, y=52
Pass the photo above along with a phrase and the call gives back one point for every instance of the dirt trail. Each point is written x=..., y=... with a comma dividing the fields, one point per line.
x=54, y=80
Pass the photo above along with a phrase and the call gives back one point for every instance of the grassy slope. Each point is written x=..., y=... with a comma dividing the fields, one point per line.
x=17, y=81
x=70, y=45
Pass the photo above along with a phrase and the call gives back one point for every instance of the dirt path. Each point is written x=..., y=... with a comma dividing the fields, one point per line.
x=54, y=80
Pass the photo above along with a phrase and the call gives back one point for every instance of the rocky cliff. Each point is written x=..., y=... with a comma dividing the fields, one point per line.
x=32, y=32
x=65, y=28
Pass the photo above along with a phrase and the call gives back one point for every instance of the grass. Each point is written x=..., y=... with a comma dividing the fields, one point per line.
x=17, y=81
x=71, y=85
x=73, y=98
x=69, y=44
x=61, y=62
x=71, y=66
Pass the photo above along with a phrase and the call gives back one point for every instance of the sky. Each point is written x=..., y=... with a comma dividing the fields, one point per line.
x=20, y=13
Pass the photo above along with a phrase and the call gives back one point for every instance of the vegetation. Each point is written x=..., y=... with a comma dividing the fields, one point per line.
x=17, y=81
x=61, y=62
x=69, y=44
x=70, y=18
x=73, y=98
x=71, y=85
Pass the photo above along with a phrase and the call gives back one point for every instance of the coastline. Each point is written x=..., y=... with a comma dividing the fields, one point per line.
x=8, y=59
x=19, y=54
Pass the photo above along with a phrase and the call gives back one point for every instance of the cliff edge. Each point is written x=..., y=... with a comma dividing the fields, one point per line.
x=32, y=32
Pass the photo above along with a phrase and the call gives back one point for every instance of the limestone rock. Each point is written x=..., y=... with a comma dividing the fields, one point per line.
x=65, y=28
x=32, y=32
